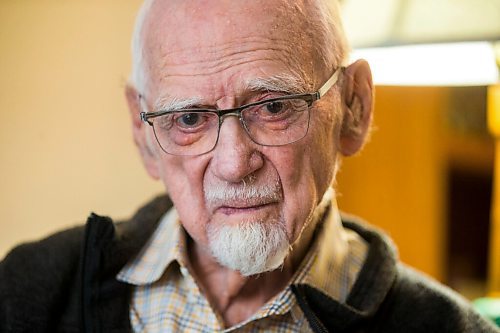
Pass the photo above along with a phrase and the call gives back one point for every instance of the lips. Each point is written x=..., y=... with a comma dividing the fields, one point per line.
x=246, y=203
x=237, y=208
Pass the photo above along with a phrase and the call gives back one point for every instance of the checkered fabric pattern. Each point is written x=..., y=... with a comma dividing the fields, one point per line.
x=167, y=299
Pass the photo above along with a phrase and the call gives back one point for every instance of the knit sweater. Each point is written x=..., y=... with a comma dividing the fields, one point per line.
x=67, y=283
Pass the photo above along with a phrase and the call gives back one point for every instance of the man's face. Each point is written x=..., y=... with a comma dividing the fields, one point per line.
x=209, y=52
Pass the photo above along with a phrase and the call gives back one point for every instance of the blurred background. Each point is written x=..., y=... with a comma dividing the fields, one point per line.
x=426, y=177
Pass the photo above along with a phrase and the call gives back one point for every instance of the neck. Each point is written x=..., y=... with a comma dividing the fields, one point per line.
x=236, y=297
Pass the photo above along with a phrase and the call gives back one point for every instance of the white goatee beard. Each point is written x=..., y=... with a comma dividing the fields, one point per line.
x=250, y=247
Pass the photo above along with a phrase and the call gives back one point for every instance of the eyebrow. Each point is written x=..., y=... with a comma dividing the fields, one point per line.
x=168, y=103
x=285, y=83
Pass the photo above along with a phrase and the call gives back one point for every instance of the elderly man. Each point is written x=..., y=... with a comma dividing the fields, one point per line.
x=242, y=109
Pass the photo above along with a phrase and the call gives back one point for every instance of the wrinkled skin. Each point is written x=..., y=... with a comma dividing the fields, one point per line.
x=206, y=50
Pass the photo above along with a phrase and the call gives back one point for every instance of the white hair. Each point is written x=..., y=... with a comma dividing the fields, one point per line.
x=250, y=247
x=138, y=76
x=331, y=43
x=254, y=246
x=218, y=195
x=167, y=103
x=292, y=83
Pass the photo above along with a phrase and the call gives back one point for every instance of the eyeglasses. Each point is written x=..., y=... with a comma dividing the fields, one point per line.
x=271, y=122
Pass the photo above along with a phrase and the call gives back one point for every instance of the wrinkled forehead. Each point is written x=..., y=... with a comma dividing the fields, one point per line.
x=192, y=22
x=181, y=34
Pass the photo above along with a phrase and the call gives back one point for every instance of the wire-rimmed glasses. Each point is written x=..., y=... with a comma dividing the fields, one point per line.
x=271, y=122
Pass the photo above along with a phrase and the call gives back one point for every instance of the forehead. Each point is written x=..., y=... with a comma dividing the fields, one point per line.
x=182, y=23
x=213, y=44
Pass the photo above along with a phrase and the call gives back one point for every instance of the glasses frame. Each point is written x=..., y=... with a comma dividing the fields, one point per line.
x=309, y=98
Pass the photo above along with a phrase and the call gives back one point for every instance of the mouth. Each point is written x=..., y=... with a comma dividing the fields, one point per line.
x=235, y=208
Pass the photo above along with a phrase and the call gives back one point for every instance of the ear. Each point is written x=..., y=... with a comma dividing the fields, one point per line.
x=357, y=96
x=139, y=131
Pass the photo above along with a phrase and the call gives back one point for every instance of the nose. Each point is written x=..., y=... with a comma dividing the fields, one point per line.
x=236, y=155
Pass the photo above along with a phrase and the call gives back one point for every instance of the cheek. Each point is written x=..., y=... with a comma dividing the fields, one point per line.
x=300, y=192
x=306, y=171
x=183, y=179
x=323, y=152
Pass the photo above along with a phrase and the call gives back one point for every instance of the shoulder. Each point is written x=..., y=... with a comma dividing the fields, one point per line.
x=409, y=300
x=419, y=303
x=432, y=304
x=34, y=262
x=26, y=254
x=50, y=259
x=42, y=282
x=34, y=277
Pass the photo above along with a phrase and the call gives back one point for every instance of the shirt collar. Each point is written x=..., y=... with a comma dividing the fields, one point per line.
x=166, y=246
x=335, y=257
x=331, y=263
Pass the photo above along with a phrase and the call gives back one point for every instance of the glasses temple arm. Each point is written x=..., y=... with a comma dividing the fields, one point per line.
x=331, y=81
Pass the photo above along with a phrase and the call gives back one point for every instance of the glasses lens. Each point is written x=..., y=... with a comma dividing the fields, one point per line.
x=277, y=123
x=186, y=132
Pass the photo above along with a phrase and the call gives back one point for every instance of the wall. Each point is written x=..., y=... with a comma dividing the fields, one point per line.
x=66, y=147
x=65, y=143
x=398, y=181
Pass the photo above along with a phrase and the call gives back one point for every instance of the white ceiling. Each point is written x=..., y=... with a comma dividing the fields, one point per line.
x=394, y=22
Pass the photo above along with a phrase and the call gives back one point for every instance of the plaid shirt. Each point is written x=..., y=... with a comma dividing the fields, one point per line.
x=166, y=298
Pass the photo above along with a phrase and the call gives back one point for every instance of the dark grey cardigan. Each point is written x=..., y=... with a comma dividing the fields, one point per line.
x=66, y=283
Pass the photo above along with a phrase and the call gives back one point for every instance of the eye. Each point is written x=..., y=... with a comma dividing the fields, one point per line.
x=275, y=107
x=189, y=119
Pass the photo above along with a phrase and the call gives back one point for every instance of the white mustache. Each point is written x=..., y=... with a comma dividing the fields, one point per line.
x=257, y=194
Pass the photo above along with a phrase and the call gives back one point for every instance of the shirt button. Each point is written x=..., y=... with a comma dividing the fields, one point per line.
x=184, y=271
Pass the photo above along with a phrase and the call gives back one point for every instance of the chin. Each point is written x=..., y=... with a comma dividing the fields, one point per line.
x=249, y=247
